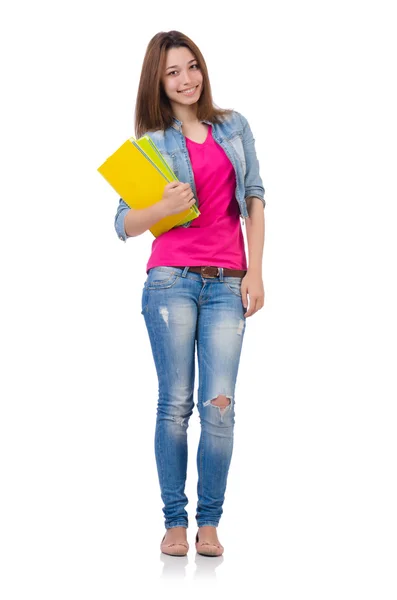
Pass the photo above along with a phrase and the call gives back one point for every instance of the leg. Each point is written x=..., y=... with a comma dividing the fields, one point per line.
x=221, y=327
x=170, y=314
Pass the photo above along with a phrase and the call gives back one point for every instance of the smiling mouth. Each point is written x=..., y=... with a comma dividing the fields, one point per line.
x=191, y=90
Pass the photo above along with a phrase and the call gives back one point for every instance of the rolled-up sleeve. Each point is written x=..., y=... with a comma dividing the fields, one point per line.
x=122, y=210
x=253, y=181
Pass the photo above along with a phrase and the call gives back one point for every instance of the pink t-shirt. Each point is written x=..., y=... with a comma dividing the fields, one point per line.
x=215, y=238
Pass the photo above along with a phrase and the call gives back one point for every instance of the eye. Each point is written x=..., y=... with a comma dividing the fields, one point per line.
x=195, y=65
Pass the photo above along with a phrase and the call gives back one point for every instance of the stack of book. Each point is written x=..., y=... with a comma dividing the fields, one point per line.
x=138, y=173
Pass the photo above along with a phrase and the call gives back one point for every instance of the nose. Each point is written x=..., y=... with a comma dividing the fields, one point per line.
x=187, y=81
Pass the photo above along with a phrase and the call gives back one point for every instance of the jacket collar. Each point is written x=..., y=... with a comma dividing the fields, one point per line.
x=177, y=124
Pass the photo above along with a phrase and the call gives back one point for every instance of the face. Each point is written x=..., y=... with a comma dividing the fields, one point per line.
x=182, y=73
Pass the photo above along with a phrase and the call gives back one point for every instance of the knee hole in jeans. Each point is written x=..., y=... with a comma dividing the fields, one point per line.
x=222, y=402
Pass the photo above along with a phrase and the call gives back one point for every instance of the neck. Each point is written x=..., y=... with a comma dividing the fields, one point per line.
x=186, y=114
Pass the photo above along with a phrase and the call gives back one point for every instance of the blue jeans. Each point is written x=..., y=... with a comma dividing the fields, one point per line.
x=180, y=308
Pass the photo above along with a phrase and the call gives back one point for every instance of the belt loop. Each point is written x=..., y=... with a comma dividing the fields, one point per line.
x=185, y=270
x=221, y=274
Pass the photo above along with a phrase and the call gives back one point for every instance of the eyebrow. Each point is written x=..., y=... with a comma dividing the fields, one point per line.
x=173, y=66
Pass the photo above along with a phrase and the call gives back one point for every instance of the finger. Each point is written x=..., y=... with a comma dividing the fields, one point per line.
x=244, y=298
x=252, y=308
x=248, y=313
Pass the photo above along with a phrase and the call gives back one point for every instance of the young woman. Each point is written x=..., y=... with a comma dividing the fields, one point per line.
x=198, y=279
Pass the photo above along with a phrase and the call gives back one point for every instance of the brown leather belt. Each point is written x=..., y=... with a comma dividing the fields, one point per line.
x=214, y=271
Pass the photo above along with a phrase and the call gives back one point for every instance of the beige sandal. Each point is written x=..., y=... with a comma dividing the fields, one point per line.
x=180, y=549
x=208, y=549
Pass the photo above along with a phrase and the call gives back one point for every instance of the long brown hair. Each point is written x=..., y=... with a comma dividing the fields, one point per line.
x=153, y=109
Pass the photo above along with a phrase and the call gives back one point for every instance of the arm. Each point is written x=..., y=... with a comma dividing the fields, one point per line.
x=130, y=222
x=252, y=283
x=255, y=227
x=252, y=181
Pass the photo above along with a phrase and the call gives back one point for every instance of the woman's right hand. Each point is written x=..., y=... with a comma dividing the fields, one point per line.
x=177, y=197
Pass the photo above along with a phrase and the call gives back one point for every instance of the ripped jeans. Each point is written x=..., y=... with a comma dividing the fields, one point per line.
x=181, y=308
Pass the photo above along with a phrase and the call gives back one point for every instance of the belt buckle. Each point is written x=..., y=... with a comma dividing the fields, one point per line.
x=208, y=272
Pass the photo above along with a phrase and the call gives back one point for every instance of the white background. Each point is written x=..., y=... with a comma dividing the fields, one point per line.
x=310, y=507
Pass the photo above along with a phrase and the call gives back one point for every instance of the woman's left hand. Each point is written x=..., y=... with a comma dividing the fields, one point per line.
x=252, y=284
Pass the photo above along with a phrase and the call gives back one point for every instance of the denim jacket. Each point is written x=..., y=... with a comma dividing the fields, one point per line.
x=234, y=136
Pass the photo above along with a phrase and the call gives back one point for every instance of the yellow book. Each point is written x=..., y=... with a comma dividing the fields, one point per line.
x=153, y=153
x=138, y=173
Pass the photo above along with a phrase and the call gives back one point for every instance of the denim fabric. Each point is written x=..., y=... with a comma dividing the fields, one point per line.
x=182, y=309
x=234, y=135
